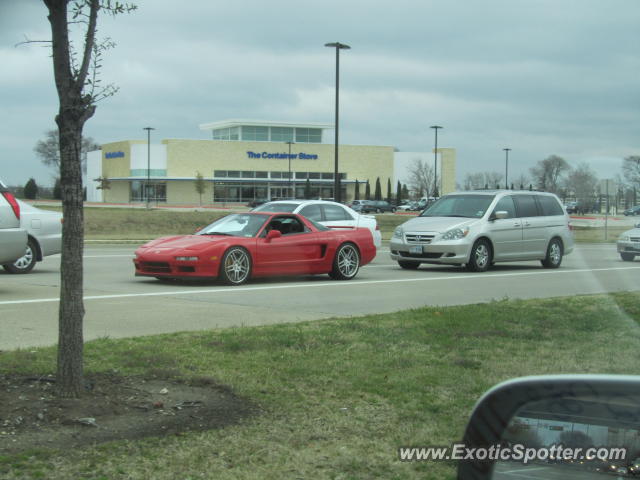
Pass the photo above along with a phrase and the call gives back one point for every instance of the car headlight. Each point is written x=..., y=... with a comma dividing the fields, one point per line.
x=456, y=233
x=397, y=233
x=186, y=259
x=624, y=238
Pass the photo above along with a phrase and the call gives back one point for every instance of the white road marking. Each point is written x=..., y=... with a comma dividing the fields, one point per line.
x=323, y=284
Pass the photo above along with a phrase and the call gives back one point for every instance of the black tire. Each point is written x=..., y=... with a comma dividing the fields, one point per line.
x=481, y=256
x=346, y=262
x=553, y=259
x=235, y=267
x=627, y=257
x=25, y=263
x=408, y=265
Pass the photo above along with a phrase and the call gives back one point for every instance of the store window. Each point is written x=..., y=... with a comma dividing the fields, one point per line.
x=259, y=134
x=308, y=135
x=153, y=191
x=281, y=134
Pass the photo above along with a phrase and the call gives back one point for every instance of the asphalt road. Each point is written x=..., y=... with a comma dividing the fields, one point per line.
x=120, y=305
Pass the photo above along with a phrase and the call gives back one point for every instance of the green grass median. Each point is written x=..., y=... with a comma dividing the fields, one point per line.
x=338, y=397
x=106, y=224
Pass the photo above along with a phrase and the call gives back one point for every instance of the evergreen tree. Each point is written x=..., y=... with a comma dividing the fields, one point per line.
x=57, y=190
x=356, y=195
x=367, y=192
x=378, y=193
x=307, y=190
x=31, y=189
x=398, y=193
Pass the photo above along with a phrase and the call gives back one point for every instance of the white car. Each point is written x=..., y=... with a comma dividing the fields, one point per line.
x=12, y=238
x=44, y=229
x=330, y=214
x=629, y=244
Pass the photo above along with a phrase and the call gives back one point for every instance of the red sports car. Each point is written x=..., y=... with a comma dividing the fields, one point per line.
x=244, y=245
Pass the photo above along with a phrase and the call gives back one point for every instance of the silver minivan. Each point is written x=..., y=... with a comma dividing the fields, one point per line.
x=479, y=228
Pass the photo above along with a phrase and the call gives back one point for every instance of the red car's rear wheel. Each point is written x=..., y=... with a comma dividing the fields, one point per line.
x=346, y=263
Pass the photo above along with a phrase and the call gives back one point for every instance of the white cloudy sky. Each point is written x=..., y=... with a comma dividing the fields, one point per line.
x=539, y=76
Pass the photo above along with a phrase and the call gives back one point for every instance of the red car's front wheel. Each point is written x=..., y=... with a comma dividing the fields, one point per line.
x=235, y=268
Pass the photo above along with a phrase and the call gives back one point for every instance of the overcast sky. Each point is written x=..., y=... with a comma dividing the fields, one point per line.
x=541, y=77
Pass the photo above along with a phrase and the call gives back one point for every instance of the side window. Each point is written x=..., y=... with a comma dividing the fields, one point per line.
x=506, y=204
x=526, y=206
x=334, y=213
x=286, y=225
x=550, y=205
x=312, y=212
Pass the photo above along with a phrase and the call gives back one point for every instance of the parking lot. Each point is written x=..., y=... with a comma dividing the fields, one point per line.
x=121, y=305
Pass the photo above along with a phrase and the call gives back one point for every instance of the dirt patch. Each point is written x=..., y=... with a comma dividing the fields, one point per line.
x=112, y=408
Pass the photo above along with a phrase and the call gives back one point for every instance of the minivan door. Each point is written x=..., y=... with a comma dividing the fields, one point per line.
x=534, y=226
x=506, y=233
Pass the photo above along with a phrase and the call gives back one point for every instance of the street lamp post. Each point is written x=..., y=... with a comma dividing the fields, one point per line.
x=336, y=177
x=291, y=192
x=506, y=168
x=146, y=190
x=435, y=162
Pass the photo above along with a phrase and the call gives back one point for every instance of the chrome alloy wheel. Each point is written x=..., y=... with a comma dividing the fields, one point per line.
x=237, y=266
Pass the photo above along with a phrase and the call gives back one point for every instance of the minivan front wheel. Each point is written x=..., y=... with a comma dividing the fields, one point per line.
x=554, y=254
x=481, y=256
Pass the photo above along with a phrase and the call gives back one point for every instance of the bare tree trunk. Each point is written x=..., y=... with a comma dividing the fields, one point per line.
x=75, y=109
x=71, y=311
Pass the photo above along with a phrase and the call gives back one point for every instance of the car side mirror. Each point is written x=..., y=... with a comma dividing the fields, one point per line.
x=552, y=427
x=273, y=234
x=501, y=214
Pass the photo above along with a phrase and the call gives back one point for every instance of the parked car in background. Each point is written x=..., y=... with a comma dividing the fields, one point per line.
x=629, y=244
x=571, y=207
x=356, y=205
x=479, y=228
x=330, y=214
x=632, y=211
x=44, y=230
x=377, y=206
x=408, y=207
x=13, y=238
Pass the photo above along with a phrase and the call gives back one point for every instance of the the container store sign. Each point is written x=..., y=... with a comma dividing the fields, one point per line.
x=283, y=156
x=114, y=155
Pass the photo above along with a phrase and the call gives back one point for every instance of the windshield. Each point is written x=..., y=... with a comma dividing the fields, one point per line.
x=467, y=206
x=237, y=225
x=276, y=207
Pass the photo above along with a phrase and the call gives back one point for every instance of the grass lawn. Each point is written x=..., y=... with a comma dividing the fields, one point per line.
x=140, y=224
x=340, y=396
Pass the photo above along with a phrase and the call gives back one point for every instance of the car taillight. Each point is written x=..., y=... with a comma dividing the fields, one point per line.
x=570, y=226
x=14, y=204
x=377, y=227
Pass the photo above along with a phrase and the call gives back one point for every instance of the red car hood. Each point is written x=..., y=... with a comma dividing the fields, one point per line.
x=181, y=243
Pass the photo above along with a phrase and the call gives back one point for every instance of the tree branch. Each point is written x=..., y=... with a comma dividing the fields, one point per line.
x=94, y=6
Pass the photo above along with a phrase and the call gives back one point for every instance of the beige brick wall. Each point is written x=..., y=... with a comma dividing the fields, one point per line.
x=117, y=167
x=184, y=192
x=448, y=165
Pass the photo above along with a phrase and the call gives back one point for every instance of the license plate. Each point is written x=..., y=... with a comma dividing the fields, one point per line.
x=416, y=249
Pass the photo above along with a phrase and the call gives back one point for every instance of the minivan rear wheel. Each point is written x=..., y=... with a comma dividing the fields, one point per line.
x=481, y=256
x=554, y=254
